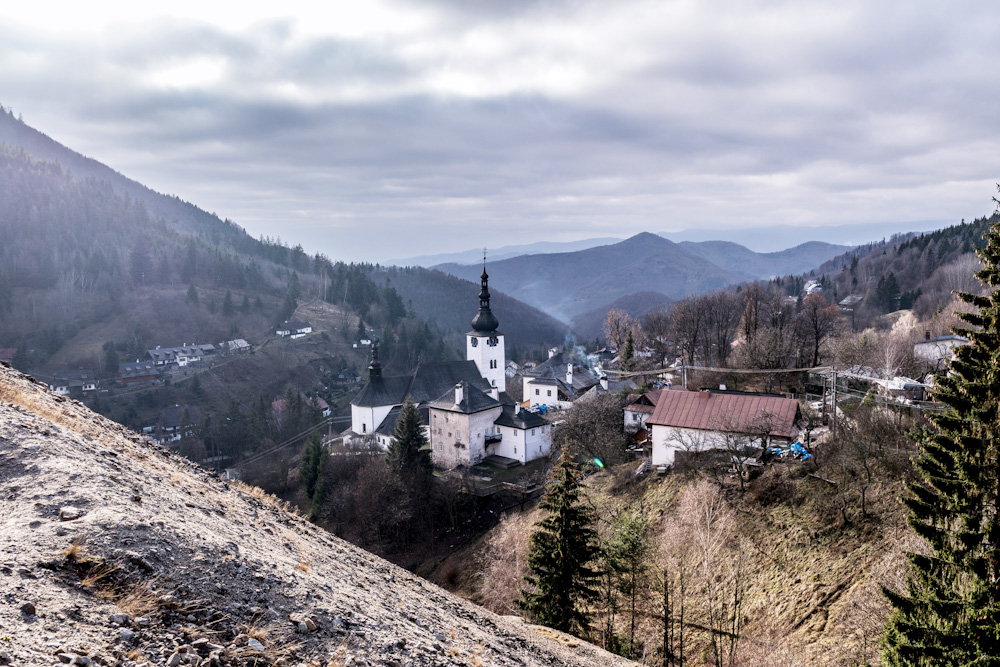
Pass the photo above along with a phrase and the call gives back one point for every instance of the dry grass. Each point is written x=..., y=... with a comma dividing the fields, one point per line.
x=141, y=600
x=264, y=496
x=72, y=553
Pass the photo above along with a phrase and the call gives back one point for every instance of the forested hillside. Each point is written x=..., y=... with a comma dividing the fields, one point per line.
x=918, y=271
x=450, y=303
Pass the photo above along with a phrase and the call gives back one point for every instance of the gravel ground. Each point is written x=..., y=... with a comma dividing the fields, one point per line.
x=115, y=552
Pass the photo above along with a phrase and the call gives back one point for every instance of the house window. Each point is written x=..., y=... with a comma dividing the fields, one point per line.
x=364, y=428
x=532, y=431
x=549, y=392
x=536, y=392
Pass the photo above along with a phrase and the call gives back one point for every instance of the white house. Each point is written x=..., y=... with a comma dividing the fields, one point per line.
x=293, y=329
x=696, y=421
x=939, y=349
x=557, y=382
x=70, y=382
x=524, y=435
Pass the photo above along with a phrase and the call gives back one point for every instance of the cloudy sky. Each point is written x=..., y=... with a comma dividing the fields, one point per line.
x=379, y=128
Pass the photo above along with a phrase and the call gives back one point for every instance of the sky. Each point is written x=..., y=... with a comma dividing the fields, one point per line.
x=384, y=129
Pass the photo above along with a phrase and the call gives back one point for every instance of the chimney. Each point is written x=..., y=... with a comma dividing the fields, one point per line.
x=604, y=382
x=722, y=386
x=569, y=374
x=459, y=393
x=553, y=351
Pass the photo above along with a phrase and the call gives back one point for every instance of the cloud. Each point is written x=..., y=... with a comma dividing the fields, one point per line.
x=435, y=125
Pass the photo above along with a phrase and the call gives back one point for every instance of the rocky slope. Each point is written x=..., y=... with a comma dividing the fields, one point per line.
x=115, y=552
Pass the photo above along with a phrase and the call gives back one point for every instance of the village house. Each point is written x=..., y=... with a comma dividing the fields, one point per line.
x=137, y=372
x=293, y=329
x=936, y=351
x=182, y=356
x=686, y=422
x=73, y=383
x=557, y=382
x=172, y=424
x=465, y=412
x=235, y=346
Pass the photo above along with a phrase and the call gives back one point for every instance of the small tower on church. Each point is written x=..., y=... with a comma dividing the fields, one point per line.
x=484, y=344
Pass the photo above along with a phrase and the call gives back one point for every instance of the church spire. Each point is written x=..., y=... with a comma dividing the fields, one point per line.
x=375, y=367
x=485, y=321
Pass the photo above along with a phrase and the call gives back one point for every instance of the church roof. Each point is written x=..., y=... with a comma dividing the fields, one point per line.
x=473, y=400
x=426, y=383
x=388, y=425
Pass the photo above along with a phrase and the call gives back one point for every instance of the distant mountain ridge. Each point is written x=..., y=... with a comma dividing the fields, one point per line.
x=754, y=265
x=475, y=256
x=572, y=283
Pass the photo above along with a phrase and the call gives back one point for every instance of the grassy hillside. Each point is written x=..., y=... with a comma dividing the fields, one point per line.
x=798, y=548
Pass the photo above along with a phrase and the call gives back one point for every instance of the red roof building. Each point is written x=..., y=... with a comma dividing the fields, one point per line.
x=703, y=420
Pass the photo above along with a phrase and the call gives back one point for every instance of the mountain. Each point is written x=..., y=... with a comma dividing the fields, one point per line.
x=776, y=237
x=755, y=266
x=590, y=325
x=111, y=547
x=475, y=256
x=567, y=284
x=176, y=213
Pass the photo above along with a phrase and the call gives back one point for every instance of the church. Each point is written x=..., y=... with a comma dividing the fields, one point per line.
x=466, y=413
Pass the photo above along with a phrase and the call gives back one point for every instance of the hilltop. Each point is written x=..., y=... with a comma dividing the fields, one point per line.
x=115, y=552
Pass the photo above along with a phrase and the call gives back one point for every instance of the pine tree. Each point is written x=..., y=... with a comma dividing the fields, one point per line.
x=311, y=466
x=562, y=581
x=950, y=612
x=408, y=455
x=628, y=352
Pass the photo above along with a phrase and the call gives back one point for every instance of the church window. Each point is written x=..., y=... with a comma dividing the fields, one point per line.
x=364, y=428
x=475, y=342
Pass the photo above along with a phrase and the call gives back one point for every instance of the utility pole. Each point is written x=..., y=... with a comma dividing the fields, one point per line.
x=834, y=429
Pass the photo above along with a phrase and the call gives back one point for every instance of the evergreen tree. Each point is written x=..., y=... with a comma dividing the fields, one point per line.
x=311, y=466
x=408, y=455
x=227, y=304
x=950, y=612
x=561, y=581
x=628, y=352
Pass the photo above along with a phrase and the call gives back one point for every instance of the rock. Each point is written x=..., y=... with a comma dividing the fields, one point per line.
x=126, y=635
x=28, y=609
x=5, y=658
x=304, y=623
x=120, y=619
x=66, y=658
x=141, y=621
x=174, y=660
x=252, y=643
x=69, y=513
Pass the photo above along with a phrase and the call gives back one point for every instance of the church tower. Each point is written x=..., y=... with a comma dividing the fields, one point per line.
x=484, y=344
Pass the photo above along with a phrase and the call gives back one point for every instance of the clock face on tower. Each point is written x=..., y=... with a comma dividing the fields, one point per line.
x=475, y=342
